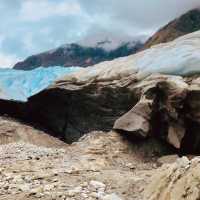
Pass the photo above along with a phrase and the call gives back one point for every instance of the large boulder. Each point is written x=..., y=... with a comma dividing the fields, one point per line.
x=158, y=112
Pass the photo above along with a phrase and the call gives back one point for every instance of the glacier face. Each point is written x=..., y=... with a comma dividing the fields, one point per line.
x=19, y=85
x=179, y=57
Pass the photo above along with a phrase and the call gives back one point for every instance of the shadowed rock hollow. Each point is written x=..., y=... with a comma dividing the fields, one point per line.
x=71, y=113
x=160, y=106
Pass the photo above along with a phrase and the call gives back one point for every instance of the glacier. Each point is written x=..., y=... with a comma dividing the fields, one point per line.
x=19, y=85
x=180, y=57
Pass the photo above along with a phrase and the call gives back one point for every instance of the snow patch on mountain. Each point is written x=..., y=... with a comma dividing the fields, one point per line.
x=109, y=44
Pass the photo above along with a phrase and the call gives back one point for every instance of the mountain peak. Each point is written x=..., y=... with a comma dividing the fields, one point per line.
x=186, y=23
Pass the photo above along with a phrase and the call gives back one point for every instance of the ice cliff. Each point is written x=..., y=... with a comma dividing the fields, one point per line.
x=19, y=85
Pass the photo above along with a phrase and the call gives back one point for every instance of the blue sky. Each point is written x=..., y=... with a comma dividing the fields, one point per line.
x=32, y=26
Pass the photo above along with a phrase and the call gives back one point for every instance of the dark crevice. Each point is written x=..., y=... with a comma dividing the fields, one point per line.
x=191, y=140
x=159, y=119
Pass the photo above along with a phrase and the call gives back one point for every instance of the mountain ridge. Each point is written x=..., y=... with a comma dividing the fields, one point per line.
x=186, y=23
x=78, y=55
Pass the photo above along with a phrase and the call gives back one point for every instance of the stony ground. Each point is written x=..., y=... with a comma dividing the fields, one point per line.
x=101, y=166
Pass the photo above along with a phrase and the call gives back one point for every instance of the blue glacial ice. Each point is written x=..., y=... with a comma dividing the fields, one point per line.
x=19, y=85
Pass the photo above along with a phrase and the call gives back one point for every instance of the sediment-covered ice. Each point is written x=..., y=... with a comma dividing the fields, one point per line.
x=19, y=85
x=179, y=57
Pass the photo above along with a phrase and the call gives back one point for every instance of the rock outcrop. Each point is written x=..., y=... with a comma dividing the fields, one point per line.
x=158, y=112
x=179, y=181
x=187, y=23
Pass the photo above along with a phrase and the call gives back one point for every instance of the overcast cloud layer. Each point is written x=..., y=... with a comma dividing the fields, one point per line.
x=32, y=26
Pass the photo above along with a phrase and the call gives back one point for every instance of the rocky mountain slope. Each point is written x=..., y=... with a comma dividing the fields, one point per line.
x=187, y=23
x=78, y=55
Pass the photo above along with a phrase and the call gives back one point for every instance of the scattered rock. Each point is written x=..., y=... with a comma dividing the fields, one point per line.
x=97, y=185
x=48, y=187
x=168, y=159
x=48, y=178
x=24, y=188
x=111, y=197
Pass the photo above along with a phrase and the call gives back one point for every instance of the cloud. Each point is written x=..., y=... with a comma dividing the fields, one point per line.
x=32, y=26
x=7, y=61
x=131, y=18
x=32, y=10
x=139, y=13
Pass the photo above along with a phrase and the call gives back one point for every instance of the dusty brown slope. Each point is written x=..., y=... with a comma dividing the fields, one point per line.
x=15, y=131
x=187, y=23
